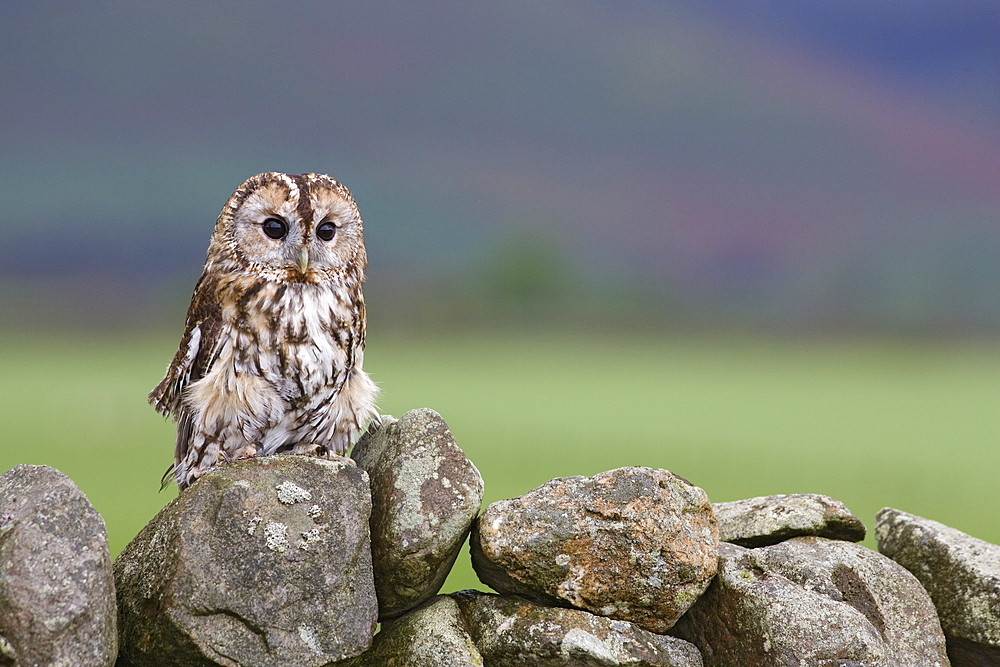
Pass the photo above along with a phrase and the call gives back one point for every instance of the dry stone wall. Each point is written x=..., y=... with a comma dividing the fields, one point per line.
x=290, y=560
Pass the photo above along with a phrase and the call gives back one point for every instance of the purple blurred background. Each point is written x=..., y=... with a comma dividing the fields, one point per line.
x=798, y=166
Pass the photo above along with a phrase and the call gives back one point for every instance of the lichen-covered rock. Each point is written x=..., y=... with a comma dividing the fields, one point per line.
x=57, y=595
x=433, y=635
x=813, y=601
x=425, y=495
x=767, y=520
x=512, y=632
x=262, y=561
x=959, y=572
x=634, y=544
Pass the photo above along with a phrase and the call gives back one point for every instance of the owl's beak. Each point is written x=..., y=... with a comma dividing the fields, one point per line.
x=304, y=260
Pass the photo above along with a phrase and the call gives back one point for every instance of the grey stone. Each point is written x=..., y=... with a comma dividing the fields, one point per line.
x=262, y=561
x=57, y=594
x=813, y=601
x=512, y=632
x=767, y=520
x=425, y=495
x=961, y=574
x=432, y=636
x=964, y=653
x=634, y=544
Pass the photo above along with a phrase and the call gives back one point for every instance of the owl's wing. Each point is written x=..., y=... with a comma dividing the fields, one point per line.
x=194, y=357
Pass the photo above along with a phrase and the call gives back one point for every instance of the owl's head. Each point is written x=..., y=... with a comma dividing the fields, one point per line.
x=295, y=228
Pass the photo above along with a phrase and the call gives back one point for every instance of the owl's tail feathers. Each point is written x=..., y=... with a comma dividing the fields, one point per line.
x=168, y=477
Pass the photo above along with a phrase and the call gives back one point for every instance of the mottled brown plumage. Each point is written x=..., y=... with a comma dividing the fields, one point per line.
x=273, y=346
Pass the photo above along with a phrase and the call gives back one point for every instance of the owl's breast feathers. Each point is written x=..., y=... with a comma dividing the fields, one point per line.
x=298, y=336
x=276, y=362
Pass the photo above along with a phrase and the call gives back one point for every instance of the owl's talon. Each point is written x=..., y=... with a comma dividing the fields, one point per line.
x=308, y=449
x=341, y=459
x=247, y=452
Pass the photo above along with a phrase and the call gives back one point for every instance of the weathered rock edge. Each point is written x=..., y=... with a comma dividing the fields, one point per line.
x=562, y=544
x=262, y=561
x=511, y=631
x=960, y=573
x=758, y=522
x=425, y=495
x=813, y=601
x=432, y=635
x=57, y=591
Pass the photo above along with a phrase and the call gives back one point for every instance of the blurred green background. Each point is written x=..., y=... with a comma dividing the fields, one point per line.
x=757, y=244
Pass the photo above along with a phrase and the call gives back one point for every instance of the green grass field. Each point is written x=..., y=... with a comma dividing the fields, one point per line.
x=875, y=423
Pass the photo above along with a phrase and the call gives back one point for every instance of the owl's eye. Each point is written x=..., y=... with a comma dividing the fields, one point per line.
x=326, y=230
x=275, y=228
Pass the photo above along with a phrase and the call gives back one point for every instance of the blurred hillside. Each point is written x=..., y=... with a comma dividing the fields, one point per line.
x=787, y=166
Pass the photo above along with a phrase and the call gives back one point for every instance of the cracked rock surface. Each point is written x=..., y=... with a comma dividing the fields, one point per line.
x=57, y=594
x=961, y=574
x=262, y=561
x=634, y=544
x=425, y=495
x=813, y=601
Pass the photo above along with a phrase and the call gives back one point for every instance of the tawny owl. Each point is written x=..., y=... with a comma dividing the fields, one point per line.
x=271, y=357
